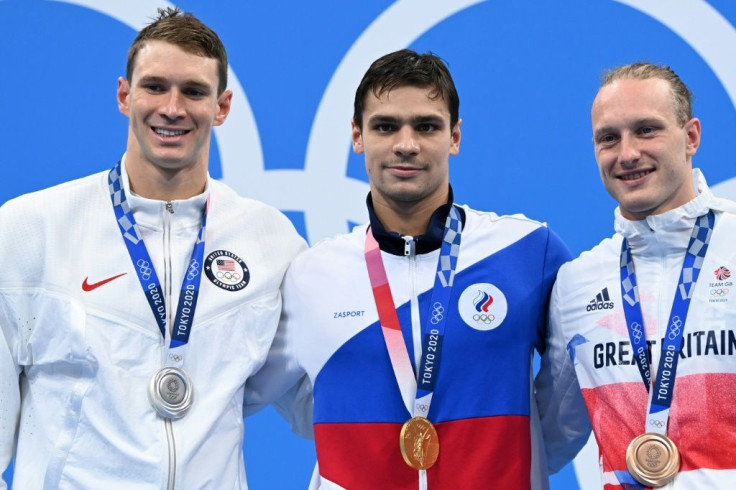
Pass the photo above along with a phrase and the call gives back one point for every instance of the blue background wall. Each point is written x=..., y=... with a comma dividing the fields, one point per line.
x=526, y=71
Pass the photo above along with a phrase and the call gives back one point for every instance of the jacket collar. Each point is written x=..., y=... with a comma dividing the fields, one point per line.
x=669, y=232
x=430, y=241
x=149, y=212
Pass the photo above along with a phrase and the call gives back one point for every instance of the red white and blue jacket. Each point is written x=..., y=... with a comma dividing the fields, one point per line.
x=588, y=334
x=483, y=407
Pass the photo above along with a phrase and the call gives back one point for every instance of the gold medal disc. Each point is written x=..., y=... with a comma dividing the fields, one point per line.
x=653, y=459
x=419, y=443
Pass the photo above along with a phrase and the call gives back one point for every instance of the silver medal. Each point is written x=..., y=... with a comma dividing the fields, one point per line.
x=171, y=392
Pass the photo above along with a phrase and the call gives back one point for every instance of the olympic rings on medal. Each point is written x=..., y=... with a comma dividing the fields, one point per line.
x=176, y=357
x=483, y=318
x=144, y=268
x=437, y=313
x=228, y=276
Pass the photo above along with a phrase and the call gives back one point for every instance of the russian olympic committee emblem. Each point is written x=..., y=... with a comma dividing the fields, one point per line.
x=482, y=306
x=226, y=270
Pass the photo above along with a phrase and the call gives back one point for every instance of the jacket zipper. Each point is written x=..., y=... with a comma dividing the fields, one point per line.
x=410, y=251
x=170, y=484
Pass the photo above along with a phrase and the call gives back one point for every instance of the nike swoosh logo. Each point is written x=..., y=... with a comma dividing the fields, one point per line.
x=89, y=287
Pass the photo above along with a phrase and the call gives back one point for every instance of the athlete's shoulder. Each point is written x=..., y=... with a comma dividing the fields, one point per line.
x=52, y=199
x=334, y=252
x=593, y=263
x=505, y=230
x=507, y=222
x=228, y=207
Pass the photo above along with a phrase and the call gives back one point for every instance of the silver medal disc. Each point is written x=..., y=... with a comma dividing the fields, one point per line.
x=171, y=392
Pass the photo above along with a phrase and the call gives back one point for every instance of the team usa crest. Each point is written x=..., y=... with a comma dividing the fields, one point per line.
x=483, y=306
x=226, y=270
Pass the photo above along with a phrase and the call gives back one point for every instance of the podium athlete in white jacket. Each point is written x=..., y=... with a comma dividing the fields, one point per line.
x=647, y=318
x=136, y=302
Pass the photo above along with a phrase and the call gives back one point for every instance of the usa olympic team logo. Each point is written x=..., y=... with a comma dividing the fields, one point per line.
x=226, y=270
x=483, y=306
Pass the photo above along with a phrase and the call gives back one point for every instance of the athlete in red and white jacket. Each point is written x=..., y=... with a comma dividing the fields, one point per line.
x=588, y=333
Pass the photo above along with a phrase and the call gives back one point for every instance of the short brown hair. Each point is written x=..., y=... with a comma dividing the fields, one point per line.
x=407, y=67
x=681, y=95
x=185, y=31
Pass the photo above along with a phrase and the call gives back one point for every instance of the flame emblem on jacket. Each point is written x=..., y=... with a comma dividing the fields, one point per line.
x=482, y=302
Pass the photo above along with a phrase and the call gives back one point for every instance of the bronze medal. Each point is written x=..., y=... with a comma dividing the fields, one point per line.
x=419, y=443
x=653, y=459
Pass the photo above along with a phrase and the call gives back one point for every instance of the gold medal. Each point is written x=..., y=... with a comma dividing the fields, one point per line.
x=653, y=459
x=419, y=443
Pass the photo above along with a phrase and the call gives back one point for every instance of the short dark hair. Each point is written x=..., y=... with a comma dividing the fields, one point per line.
x=407, y=67
x=681, y=96
x=185, y=31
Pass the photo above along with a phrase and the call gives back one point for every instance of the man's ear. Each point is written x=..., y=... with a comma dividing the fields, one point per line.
x=357, y=136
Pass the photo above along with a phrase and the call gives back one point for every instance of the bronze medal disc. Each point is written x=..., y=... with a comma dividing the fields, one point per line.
x=653, y=459
x=419, y=443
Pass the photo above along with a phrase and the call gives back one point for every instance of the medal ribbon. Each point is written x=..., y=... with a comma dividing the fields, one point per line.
x=660, y=396
x=179, y=336
x=433, y=328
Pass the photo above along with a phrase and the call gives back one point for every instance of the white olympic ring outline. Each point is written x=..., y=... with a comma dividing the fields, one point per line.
x=636, y=331
x=193, y=270
x=228, y=276
x=144, y=268
x=483, y=318
x=675, y=328
x=437, y=313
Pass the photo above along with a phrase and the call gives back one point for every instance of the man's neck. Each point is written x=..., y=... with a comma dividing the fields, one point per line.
x=406, y=219
x=153, y=182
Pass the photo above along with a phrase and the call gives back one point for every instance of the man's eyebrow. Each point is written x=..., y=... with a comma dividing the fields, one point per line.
x=152, y=78
x=385, y=118
x=636, y=123
x=603, y=130
x=165, y=81
x=430, y=118
x=382, y=118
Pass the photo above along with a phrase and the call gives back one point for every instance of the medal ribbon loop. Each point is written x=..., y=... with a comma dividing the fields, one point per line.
x=143, y=265
x=660, y=396
x=433, y=327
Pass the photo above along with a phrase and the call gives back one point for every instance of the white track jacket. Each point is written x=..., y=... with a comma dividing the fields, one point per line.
x=79, y=343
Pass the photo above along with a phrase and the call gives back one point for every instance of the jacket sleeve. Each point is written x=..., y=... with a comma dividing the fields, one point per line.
x=282, y=381
x=9, y=394
x=565, y=424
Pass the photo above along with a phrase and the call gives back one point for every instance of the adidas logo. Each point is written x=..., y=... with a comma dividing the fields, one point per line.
x=602, y=301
